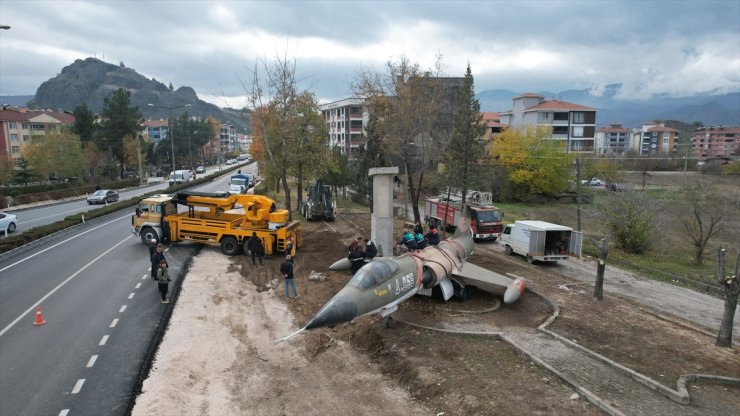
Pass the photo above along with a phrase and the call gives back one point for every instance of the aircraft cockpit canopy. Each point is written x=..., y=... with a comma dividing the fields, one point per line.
x=373, y=274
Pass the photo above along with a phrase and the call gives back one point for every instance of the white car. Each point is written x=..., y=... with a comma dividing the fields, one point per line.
x=8, y=222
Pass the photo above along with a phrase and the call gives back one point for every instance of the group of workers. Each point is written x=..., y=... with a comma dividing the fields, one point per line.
x=360, y=250
x=417, y=240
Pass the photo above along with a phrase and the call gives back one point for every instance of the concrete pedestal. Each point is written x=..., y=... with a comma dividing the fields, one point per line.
x=381, y=221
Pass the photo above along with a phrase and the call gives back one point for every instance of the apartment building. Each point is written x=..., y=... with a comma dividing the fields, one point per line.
x=19, y=125
x=346, y=120
x=712, y=142
x=155, y=130
x=654, y=139
x=492, y=121
x=612, y=139
x=572, y=124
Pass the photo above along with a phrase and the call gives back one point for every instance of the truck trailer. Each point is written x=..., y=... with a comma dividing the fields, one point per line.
x=211, y=218
x=485, y=219
x=541, y=241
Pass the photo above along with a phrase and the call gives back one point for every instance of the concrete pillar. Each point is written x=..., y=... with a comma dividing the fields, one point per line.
x=381, y=221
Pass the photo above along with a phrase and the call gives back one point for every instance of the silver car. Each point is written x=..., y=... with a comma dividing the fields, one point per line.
x=102, y=196
x=8, y=222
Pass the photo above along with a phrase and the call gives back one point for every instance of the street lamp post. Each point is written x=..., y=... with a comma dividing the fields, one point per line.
x=169, y=128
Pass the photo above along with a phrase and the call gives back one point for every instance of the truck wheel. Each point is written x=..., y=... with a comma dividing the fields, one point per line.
x=148, y=234
x=388, y=322
x=530, y=259
x=509, y=251
x=229, y=246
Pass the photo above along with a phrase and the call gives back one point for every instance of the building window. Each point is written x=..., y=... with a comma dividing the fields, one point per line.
x=579, y=117
x=577, y=131
x=37, y=126
x=545, y=115
x=25, y=126
x=355, y=110
x=26, y=137
x=13, y=137
x=15, y=150
x=355, y=124
x=560, y=116
x=12, y=125
x=560, y=130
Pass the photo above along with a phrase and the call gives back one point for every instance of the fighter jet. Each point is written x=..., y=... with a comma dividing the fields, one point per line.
x=382, y=284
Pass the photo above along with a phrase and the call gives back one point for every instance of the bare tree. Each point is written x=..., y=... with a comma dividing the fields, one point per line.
x=703, y=218
x=273, y=95
x=731, y=287
x=408, y=102
x=600, y=268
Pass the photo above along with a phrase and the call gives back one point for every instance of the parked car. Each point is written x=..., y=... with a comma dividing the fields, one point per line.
x=200, y=169
x=102, y=196
x=8, y=222
x=231, y=162
x=592, y=182
x=616, y=187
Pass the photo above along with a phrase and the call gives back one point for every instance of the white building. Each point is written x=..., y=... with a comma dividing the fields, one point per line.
x=346, y=120
x=573, y=124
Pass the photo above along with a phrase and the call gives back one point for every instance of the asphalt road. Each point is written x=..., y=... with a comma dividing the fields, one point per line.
x=102, y=313
x=29, y=217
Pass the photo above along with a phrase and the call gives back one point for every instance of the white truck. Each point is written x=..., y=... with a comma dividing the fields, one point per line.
x=541, y=241
x=180, y=176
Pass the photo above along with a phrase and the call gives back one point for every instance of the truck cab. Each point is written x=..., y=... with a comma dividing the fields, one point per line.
x=240, y=183
x=148, y=220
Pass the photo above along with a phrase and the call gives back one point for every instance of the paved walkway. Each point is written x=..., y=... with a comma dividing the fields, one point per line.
x=614, y=390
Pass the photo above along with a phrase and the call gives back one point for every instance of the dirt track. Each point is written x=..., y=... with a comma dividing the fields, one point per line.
x=219, y=355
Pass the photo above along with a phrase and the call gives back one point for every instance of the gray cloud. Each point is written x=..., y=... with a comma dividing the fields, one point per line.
x=676, y=48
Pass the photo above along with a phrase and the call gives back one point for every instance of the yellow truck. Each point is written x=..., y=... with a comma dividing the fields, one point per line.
x=215, y=218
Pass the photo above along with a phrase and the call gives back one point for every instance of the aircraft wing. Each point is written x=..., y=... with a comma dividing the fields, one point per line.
x=472, y=275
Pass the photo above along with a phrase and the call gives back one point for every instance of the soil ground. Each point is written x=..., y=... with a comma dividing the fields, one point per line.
x=219, y=355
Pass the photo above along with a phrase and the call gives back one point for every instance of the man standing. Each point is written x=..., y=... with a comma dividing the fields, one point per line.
x=255, y=247
x=286, y=270
x=163, y=279
x=157, y=259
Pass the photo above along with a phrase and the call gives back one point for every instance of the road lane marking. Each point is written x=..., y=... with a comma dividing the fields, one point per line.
x=144, y=277
x=46, y=296
x=64, y=412
x=62, y=242
x=131, y=295
x=114, y=323
x=138, y=285
x=123, y=308
x=92, y=361
x=103, y=340
x=78, y=386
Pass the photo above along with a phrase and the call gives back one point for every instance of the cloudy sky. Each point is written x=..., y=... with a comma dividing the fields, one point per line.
x=676, y=48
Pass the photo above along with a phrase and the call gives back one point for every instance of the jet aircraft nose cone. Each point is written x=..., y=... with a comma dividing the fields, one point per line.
x=340, y=309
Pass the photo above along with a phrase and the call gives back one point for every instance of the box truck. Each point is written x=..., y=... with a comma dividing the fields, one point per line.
x=541, y=241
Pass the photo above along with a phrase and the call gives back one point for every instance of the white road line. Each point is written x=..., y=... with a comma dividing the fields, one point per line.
x=103, y=340
x=144, y=277
x=123, y=308
x=78, y=386
x=131, y=295
x=114, y=323
x=60, y=243
x=138, y=285
x=64, y=412
x=92, y=361
x=46, y=296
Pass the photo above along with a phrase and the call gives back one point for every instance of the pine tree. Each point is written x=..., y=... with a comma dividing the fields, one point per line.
x=84, y=125
x=465, y=148
x=120, y=121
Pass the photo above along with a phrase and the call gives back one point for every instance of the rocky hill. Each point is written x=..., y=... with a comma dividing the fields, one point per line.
x=91, y=80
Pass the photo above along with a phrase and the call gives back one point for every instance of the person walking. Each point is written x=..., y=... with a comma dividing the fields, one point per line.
x=163, y=279
x=286, y=270
x=157, y=259
x=256, y=249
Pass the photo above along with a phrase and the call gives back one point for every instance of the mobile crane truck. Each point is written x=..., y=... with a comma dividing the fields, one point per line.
x=211, y=218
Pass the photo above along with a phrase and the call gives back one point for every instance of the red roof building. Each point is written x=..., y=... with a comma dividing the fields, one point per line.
x=612, y=139
x=654, y=139
x=573, y=124
x=19, y=125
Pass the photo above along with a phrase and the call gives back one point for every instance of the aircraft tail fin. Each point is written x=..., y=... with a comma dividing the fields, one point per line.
x=463, y=224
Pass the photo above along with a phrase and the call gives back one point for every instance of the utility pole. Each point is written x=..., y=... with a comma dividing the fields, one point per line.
x=138, y=152
x=578, y=192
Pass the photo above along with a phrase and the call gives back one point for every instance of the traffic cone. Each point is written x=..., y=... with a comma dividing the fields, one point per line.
x=39, y=319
